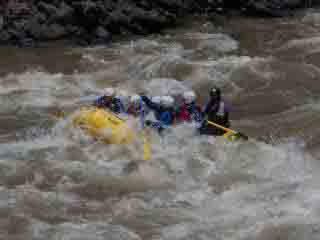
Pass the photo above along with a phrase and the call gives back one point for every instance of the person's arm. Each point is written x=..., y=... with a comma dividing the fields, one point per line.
x=150, y=104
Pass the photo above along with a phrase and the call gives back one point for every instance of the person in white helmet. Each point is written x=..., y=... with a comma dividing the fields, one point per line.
x=136, y=106
x=189, y=111
x=164, y=112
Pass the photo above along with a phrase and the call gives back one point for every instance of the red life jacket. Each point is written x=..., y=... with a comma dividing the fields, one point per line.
x=183, y=114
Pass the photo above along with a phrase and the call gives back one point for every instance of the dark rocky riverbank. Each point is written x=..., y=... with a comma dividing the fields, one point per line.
x=25, y=22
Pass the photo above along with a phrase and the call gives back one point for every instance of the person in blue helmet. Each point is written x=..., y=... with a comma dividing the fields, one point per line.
x=110, y=101
x=215, y=111
x=164, y=112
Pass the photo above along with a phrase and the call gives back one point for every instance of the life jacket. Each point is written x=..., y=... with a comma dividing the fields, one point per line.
x=183, y=114
x=189, y=112
x=219, y=113
x=167, y=116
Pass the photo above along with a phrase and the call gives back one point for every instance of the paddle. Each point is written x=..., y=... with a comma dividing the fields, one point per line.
x=230, y=134
x=146, y=143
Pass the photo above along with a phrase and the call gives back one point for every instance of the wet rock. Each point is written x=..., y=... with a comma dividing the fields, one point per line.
x=4, y=37
x=53, y=32
x=65, y=13
x=41, y=17
x=34, y=28
x=1, y=23
x=275, y=8
x=20, y=25
x=102, y=36
x=151, y=19
x=47, y=8
x=25, y=42
x=91, y=21
x=102, y=33
x=72, y=29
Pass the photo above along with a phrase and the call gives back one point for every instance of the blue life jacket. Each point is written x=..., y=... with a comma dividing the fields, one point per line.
x=165, y=116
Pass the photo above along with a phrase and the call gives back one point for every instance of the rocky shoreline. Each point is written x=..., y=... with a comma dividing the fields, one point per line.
x=86, y=22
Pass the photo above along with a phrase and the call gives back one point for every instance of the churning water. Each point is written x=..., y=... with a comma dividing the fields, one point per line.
x=57, y=183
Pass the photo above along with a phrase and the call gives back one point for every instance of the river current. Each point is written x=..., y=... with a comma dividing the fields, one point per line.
x=56, y=183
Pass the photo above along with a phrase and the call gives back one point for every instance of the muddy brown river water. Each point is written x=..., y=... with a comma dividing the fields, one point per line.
x=56, y=183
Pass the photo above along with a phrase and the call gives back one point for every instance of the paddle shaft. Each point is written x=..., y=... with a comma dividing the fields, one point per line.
x=221, y=127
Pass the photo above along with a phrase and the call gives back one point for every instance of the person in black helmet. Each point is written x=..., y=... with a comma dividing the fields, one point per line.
x=215, y=111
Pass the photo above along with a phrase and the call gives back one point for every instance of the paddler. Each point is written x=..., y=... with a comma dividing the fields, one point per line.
x=137, y=106
x=189, y=111
x=109, y=101
x=164, y=112
x=215, y=111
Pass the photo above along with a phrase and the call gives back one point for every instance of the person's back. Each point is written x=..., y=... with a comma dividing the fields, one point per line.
x=164, y=111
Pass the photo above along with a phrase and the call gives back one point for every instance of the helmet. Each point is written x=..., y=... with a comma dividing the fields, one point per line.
x=189, y=97
x=123, y=94
x=135, y=98
x=215, y=92
x=167, y=101
x=109, y=92
x=156, y=99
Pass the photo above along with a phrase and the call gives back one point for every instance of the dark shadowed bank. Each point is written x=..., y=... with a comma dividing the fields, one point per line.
x=26, y=22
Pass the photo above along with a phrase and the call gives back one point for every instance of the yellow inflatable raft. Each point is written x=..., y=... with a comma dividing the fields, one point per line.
x=104, y=125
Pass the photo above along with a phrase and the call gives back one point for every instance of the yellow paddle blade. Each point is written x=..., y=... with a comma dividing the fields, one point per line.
x=230, y=134
x=146, y=146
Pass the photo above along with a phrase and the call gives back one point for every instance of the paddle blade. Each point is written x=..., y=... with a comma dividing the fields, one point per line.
x=238, y=136
x=146, y=147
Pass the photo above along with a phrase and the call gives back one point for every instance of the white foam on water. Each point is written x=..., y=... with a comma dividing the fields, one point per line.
x=193, y=187
x=214, y=42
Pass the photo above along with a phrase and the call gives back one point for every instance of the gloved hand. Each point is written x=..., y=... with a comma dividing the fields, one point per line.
x=148, y=123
